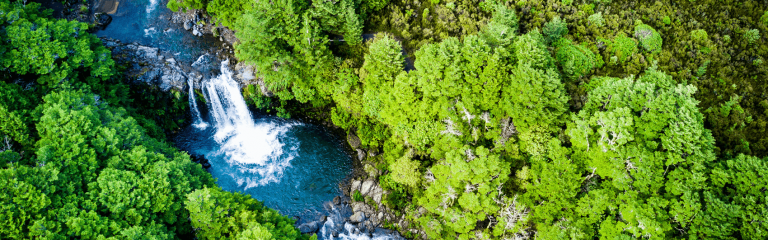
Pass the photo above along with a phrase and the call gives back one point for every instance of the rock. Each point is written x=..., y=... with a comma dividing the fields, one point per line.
x=102, y=20
x=381, y=216
x=371, y=170
x=149, y=65
x=245, y=75
x=369, y=226
x=357, y=217
x=106, y=6
x=353, y=140
x=172, y=79
x=206, y=165
x=366, y=187
x=310, y=227
x=355, y=186
x=376, y=193
x=337, y=200
x=196, y=33
x=263, y=87
x=188, y=25
x=360, y=154
x=145, y=52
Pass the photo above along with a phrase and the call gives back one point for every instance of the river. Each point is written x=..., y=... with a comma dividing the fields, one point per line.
x=293, y=167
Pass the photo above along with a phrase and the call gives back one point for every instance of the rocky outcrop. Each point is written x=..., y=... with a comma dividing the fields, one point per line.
x=371, y=213
x=310, y=227
x=200, y=24
x=151, y=66
x=245, y=74
x=358, y=217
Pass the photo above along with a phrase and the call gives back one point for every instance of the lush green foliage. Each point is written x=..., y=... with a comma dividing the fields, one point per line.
x=477, y=139
x=55, y=50
x=217, y=214
x=480, y=134
x=576, y=60
x=555, y=29
x=649, y=38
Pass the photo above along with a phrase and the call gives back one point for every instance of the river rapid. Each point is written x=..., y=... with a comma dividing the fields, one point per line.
x=293, y=167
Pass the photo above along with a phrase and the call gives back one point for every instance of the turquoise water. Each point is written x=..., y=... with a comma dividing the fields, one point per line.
x=291, y=166
x=148, y=23
x=314, y=165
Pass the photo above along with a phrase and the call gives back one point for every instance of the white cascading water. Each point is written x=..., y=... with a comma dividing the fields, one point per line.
x=152, y=6
x=254, y=147
x=198, y=122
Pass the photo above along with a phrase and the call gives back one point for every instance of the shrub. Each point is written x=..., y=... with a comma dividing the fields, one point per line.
x=667, y=20
x=623, y=47
x=554, y=30
x=596, y=19
x=699, y=36
x=576, y=60
x=357, y=196
x=752, y=35
x=764, y=18
x=649, y=38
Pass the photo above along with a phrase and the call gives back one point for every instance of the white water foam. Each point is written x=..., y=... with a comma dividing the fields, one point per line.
x=149, y=32
x=254, y=148
x=198, y=122
x=350, y=232
x=151, y=7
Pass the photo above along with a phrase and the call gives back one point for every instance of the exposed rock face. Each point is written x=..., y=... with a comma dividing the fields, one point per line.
x=246, y=75
x=378, y=214
x=150, y=65
x=153, y=66
x=353, y=140
x=199, y=24
x=360, y=154
x=310, y=227
x=357, y=217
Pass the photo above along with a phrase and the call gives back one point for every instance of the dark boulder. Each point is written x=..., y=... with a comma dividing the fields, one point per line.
x=102, y=20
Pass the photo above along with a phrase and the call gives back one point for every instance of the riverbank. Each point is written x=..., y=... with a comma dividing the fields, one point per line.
x=171, y=73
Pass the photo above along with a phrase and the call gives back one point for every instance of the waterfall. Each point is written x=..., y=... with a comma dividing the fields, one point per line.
x=151, y=7
x=253, y=147
x=198, y=122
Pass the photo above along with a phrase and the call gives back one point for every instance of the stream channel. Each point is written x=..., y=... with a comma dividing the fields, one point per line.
x=293, y=167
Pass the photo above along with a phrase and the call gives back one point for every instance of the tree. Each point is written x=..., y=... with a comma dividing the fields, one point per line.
x=554, y=30
x=575, y=60
x=52, y=49
x=649, y=38
x=644, y=150
x=463, y=191
x=734, y=202
x=215, y=214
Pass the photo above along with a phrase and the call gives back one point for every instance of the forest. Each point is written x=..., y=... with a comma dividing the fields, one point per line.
x=530, y=119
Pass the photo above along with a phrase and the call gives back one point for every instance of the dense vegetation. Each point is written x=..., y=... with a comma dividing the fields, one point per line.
x=547, y=119
x=541, y=118
x=81, y=159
